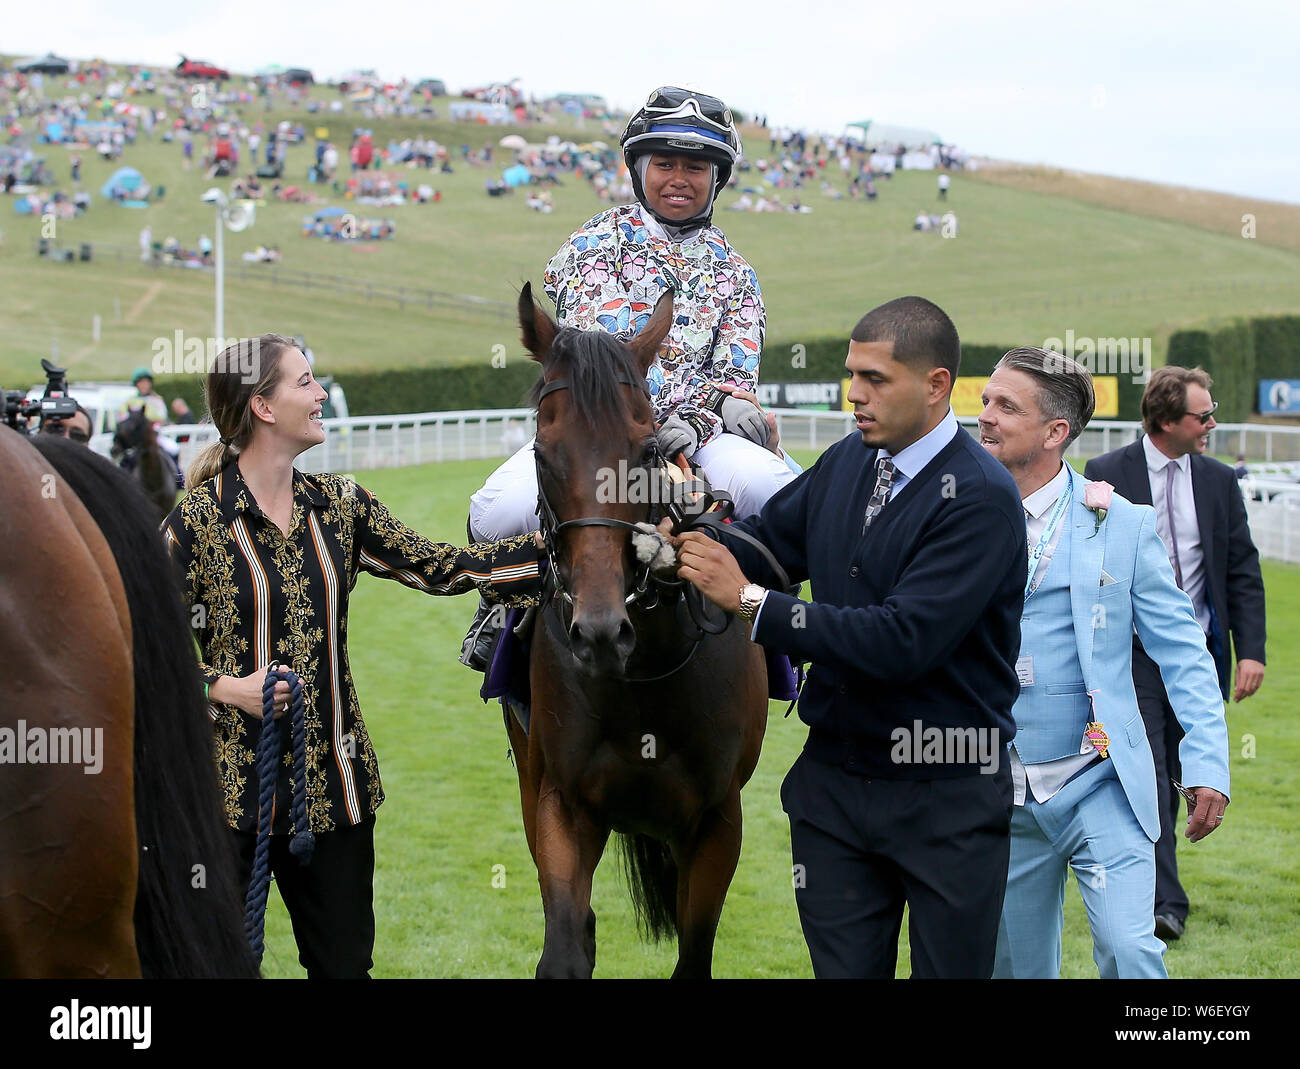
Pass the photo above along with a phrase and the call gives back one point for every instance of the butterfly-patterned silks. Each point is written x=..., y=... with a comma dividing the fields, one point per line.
x=612, y=271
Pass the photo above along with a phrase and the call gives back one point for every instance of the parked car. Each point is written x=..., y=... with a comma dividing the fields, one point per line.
x=433, y=86
x=591, y=103
x=46, y=64
x=199, y=68
x=355, y=81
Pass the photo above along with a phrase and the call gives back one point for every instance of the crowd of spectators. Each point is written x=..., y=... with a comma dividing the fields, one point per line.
x=108, y=110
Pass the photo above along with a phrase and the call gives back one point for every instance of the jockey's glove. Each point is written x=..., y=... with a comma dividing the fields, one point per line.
x=677, y=436
x=746, y=419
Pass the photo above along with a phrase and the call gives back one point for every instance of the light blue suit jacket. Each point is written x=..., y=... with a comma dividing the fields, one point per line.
x=1143, y=596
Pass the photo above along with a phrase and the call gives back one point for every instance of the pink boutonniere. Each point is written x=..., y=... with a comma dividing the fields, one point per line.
x=1096, y=496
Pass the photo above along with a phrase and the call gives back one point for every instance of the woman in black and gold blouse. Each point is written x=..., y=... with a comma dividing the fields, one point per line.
x=268, y=557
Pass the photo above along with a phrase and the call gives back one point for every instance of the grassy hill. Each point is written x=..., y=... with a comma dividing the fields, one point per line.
x=1272, y=222
x=1024, y=265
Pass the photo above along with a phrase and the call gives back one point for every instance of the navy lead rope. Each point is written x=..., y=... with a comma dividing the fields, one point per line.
x=268, y=760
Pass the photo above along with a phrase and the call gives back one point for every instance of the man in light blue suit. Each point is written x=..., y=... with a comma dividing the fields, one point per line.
x=1083, y=775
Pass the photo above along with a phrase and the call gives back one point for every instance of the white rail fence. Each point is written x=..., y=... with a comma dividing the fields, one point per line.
x=364, y=443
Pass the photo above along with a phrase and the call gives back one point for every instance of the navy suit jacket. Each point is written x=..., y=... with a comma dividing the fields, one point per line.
x=1233, y=581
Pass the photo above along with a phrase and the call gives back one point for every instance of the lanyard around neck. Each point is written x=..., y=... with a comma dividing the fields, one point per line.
x=1037, y=561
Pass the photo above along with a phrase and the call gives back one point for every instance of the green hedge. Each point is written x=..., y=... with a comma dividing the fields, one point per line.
x=1237, y=355
x=381, y=391
x=1277, y=347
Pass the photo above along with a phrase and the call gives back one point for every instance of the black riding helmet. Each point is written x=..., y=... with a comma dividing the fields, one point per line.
x=679, y=122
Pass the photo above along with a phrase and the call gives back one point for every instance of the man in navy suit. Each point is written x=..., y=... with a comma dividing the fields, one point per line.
x=1201, y=519
x=914, y=540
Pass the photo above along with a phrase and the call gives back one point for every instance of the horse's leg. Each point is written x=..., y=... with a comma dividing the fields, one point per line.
x=527, y=782
x=569, y=845
x=528, y=800
x=705, y=868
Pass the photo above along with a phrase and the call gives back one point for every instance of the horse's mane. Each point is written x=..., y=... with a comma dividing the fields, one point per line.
x=181, y=930
x=595, y=364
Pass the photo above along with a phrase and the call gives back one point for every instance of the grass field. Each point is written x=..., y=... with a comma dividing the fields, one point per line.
x=1025, y=265
x=1271, y=222
x=452, y=812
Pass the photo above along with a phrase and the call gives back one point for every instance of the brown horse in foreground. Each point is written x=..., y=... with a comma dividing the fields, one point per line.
x=114, y=858
x=641, y=724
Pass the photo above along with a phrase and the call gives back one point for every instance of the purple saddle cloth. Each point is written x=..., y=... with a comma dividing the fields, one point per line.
x=507, y=675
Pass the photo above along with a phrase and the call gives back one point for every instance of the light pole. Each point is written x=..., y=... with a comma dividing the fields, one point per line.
x=236, y=217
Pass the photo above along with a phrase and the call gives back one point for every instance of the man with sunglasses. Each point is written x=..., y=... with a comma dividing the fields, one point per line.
x=680, y=147
x=1201, y=519
x=77, y=426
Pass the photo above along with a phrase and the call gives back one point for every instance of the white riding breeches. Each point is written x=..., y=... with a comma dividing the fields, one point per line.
x=507, y=503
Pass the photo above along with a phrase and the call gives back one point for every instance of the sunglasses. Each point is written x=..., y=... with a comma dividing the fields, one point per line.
x=62, y=430
x=670, y=101
x=1204, y=417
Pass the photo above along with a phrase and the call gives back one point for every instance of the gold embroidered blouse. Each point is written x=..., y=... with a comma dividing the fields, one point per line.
x=257, y=597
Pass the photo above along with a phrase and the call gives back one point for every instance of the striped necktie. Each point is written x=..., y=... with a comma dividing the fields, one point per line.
x=884, y=479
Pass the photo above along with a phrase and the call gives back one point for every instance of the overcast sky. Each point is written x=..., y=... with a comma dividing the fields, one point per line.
x=1192, y=93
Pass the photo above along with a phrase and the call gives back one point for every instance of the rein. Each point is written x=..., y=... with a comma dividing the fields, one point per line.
x=268, y=761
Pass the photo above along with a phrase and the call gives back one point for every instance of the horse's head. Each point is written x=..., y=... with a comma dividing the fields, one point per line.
x=595, y=429
x=133, y=432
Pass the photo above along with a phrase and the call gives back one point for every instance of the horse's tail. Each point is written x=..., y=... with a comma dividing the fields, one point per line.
x=652, y=879
x=188, y=915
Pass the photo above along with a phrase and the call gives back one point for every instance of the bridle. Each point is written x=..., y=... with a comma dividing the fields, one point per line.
x=551, y=527
x=691, y=504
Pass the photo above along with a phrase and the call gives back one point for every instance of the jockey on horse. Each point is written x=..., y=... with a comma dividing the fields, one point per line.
x=680, y=148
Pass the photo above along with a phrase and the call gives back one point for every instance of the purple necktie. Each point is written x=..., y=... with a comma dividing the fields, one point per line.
x=1170, y=470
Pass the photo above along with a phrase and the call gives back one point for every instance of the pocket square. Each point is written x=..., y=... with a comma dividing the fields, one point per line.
x=1107, y=579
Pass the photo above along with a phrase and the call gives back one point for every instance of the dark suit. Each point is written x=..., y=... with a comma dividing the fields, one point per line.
x=1234, y=590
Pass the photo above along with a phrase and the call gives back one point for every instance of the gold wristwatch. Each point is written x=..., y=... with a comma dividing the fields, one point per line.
x=751, y=597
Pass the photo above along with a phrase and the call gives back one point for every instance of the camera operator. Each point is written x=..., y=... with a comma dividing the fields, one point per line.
x=54, y=406
x=76, y=426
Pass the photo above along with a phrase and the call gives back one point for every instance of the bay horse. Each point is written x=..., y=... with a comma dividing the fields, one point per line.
x=637, y=725
x=137, y=452
x=122, y=866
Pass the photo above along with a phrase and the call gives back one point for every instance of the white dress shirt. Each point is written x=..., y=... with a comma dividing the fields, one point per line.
x=911, y=459
x=1191, y=557
x=1045, y=779
x=907, y=466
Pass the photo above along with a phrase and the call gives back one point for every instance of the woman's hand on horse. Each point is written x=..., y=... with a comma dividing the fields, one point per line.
x=710, y=568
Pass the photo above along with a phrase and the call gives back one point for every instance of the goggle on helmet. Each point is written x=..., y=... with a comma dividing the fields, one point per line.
x=677, y=121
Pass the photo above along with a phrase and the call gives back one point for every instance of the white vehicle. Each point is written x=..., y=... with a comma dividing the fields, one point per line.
x=104, y=401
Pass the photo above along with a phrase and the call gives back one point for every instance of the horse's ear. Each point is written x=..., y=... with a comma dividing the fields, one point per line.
x=645, y=346
x=538, y=328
